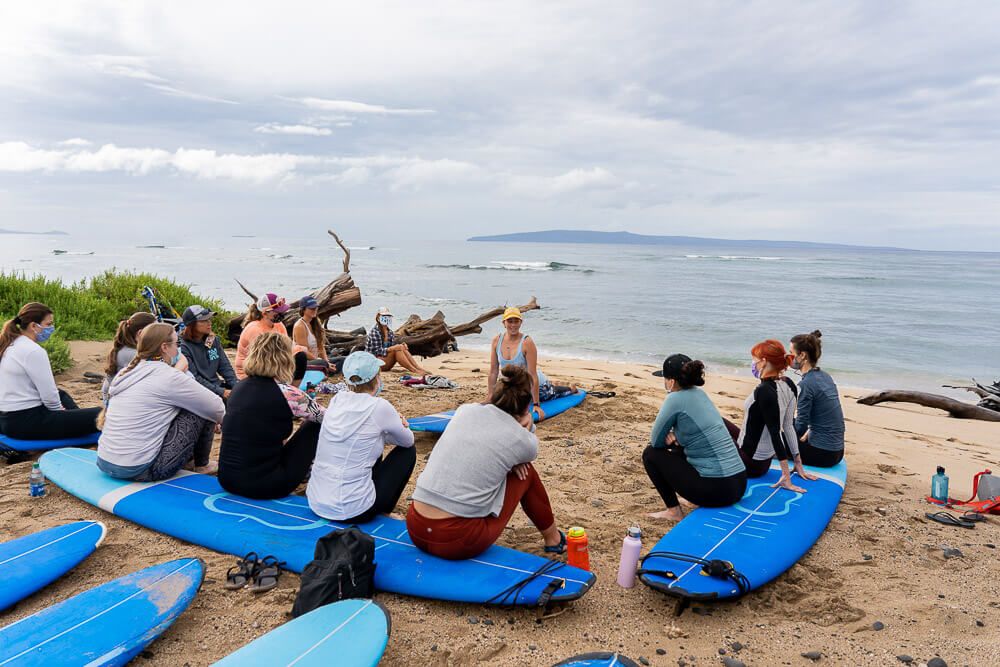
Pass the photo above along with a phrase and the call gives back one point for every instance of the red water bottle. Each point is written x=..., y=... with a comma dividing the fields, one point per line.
x=577, y=550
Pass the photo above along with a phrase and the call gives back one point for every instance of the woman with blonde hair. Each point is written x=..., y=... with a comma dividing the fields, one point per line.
x=257, y=458
x=31, y=406
x=123, y=347
x=157, y=418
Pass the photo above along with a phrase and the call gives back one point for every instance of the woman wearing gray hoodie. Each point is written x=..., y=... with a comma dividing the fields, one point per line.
x=157, y=417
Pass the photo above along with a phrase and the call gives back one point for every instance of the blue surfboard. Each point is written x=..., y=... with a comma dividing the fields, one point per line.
x=762, y=535
x=36, y=560
x=438, y=422
x=311, y=378
x=44, y=445
x=195, y=508
x=598, y=659
x=107, y=625
x=349, y=632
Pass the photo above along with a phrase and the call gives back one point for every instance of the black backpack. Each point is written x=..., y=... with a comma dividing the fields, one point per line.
x=343, y=567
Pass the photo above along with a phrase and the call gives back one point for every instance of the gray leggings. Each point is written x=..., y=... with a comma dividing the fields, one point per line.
x=187, y=435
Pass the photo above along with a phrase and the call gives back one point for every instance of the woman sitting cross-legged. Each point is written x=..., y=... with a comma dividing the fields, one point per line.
x=351, y=481
x=157, y=416
x=479, y=472
x=691, y=452
x=257, y=458
x=310, y=334
x=207, y=361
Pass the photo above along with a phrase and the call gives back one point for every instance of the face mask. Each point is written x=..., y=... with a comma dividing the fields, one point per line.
x=753, y=369
x=385, y=321
x=44, y=334
x=177, y=357
x=379, y=390
x=796, y=365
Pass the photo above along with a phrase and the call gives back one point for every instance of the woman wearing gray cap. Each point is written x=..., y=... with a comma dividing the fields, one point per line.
x=207, y=361
x=381, y=342
x=691, y=452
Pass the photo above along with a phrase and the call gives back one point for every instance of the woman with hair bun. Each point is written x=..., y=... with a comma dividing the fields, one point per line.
x=31, y=406
x=479, y=472
x=691, y=452
x=769, y=412
x=819, y=422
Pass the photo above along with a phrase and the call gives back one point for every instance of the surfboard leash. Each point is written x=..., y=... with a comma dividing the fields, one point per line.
x=720, y=569
x=508, y=596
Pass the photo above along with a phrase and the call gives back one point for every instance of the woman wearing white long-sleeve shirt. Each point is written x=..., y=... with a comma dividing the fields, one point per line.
x=350, y=480
x=31, y=406
x=157, y=417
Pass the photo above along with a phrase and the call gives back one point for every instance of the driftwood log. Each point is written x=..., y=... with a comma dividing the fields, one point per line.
x=953, y=407
x=334, y=298
x=425, y=337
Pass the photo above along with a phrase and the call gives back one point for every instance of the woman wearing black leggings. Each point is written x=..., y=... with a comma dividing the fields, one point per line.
x=691, y=451
x=31, y=406
x=257, y=458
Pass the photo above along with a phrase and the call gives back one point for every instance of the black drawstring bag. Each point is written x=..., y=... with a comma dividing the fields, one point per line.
x=343, y=567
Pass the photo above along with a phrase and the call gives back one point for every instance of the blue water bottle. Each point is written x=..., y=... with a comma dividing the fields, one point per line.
x=939, y=485
x=36, y=482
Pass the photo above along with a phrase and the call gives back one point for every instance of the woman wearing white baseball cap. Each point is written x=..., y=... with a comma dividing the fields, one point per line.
x=264, y=316
x=382, y=343
x=350, y=480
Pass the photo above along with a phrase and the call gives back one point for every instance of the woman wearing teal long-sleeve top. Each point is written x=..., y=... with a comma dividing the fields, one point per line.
x=691, y=452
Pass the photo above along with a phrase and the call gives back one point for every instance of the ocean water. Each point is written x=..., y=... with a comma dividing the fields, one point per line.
x=889, y=318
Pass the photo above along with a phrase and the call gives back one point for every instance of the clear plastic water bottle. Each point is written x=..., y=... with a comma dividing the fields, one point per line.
x=939, y=485
x=36, y=482
x=631, y=548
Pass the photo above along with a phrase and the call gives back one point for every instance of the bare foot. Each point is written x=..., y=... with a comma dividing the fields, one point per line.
x=209, y=469
x=669, y=514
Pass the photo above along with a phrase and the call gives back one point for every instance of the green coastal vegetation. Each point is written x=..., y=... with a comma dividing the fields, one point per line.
x=92, y=308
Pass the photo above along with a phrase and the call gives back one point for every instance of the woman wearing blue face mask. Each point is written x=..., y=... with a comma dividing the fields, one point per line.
x=351, y=481
x=381, y=342
x=158, y=418
x=31, y=406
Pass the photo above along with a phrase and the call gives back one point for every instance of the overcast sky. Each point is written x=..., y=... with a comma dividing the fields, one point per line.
x=868, y=122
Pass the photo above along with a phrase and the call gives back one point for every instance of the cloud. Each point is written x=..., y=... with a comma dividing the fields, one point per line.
x=575, y=180
x=307, y=130
x=75, y=142
x=177, y=92
x=346, y=106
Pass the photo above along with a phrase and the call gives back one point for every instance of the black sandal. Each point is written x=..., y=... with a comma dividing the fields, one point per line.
x=602, y=394
x=266, y=576
x=557, y=548
x=240, y=574
x=950, y=519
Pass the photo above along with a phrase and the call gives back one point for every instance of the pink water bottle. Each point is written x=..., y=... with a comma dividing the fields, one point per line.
x=631, y=548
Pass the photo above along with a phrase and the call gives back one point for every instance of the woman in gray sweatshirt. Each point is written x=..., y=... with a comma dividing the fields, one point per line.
x=478, y=473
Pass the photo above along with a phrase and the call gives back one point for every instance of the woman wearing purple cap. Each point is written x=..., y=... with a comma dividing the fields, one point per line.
x=264, y=316
x=308, y=332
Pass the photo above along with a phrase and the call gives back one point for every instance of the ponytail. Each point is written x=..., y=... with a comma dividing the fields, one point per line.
x=512, y=392
x=692, y=374
x=125, y=336
x=148, y=345
x=773, y=352
x=30, y=313
x=253, y=314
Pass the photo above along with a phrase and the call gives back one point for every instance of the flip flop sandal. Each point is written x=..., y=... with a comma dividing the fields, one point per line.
x=973, y=516
x=557, y=548
x=240, y=574
x=602, y=394
x=949, y=519
x=266, y=576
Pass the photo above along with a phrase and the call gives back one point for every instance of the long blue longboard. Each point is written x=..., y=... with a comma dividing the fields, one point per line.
x=598, y=659
x=195, y=508
x=762, y=535
x=36, y=560
x=438, y=422
x=107, y=625
x=44, y=445
x=349, y=632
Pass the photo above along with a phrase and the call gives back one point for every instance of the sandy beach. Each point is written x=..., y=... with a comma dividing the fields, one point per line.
x=879, y=561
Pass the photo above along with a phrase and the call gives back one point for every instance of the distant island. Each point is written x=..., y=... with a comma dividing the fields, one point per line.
x=628, y=238
x=54, y=232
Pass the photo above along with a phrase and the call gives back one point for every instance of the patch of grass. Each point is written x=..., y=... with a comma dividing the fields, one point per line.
x=91, y=309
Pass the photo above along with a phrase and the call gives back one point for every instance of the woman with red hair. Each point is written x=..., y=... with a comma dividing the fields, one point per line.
x=769, y=415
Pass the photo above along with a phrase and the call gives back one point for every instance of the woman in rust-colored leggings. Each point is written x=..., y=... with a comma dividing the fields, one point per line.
x=477, y=475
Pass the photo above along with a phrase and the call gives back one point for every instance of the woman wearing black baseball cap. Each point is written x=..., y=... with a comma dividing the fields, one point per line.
x=691, y=452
